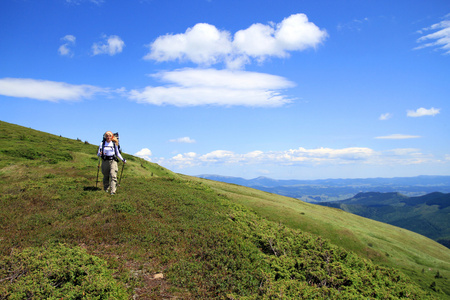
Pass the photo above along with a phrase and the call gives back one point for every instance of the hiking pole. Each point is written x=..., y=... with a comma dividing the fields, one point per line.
x=98, y=169
x=121, y=174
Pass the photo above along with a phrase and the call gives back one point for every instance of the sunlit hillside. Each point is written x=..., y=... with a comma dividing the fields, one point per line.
x=166, y=235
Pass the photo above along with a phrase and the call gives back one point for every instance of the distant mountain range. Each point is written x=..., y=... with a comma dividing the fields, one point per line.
x=420, y=204
x=339, y=189
x=427, y=215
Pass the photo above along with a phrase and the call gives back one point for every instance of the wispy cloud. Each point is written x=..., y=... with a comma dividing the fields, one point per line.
x=77, y=2
x=300, y=156
x=421, y=112
x=385, y=116
x=46, y=90
x=192, y=87
x=398, y=137
x=439, y=38
x=111, y=45
x=354, y=25
x=65, y=49
x=206, y=45
x=186, y=140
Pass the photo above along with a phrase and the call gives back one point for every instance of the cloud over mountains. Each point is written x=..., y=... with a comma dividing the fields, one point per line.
x=299, y=156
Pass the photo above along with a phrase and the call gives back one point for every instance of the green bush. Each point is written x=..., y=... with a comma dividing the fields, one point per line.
x=302, y=266
x=56, y=272
x=124, y=207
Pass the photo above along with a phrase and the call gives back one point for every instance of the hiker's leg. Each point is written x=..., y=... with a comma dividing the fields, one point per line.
x=113, y=175
x=105, y=172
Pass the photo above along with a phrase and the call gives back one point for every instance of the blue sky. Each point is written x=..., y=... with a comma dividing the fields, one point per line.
x=284, y=89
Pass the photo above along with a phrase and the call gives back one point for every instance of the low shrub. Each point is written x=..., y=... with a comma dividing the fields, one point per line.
x=56, y=272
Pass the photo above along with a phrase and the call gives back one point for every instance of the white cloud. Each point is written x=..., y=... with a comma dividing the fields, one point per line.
x=301, y=156
x=46, y=90
x=228, y=79
x=64, y=49
x=185, y=139
x=385, y=116
x=257, y=41
x=404, y=151
x=181, y=96
x=112, y=45
x=406, y=156
x=218, y=155
x=294, y=33
x=420, y=112
x=144, y=153
x=440, y=38
x=288, y=157
x=191, y=87
x=204, y=44
x=398, y=137
x=69, y=38
x=184, y=160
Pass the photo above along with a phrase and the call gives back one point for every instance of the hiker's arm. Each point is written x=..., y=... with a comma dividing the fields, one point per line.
x=99, y=152
x=119, y=155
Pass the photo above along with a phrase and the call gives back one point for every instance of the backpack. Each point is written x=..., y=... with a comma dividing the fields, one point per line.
x=118, y=145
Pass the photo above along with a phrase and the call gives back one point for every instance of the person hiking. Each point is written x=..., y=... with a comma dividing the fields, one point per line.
x=110, y=154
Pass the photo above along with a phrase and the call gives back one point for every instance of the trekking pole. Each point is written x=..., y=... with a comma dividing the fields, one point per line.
x=98, y=169
x=121, y=174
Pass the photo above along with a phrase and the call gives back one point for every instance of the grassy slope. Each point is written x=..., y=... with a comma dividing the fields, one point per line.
x=189, y=229
x=380, y=242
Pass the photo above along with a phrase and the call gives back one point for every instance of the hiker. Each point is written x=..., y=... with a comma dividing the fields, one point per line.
x=110, y=154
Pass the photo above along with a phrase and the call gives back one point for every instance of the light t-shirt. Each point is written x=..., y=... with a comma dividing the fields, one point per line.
x=108, y=150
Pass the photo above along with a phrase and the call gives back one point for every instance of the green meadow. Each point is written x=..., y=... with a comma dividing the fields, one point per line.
x=166, y=235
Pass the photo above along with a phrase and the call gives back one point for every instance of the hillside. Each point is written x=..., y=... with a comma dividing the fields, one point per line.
x=166, y=235
x=426, y=215
x=325, y=190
